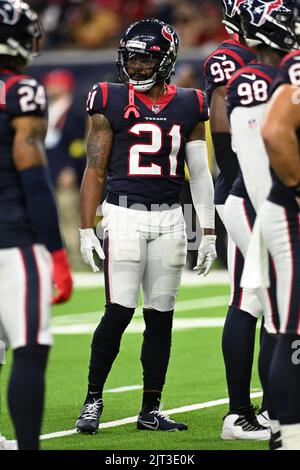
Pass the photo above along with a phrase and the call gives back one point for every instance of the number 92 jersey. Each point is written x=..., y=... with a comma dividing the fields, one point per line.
x=223, y=63
x=146, y=163
x=20, y=95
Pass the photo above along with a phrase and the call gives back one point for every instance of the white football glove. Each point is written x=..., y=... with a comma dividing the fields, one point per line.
x=88, y=243
x=206, y=254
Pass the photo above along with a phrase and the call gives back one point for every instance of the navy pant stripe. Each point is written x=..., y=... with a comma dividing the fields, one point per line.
x=272, y=294
x=293, y=227
x=106, y=269
x=32, y=295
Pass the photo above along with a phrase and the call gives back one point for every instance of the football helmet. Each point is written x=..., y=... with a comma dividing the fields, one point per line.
x=272, y=23
x=20, y=30
x=231, y=17
x=152, y=38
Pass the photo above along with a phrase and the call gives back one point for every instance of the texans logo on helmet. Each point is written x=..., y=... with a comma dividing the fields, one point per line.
x=10, y=12
x=168, y=34
x=260, y=12
x=231, y=6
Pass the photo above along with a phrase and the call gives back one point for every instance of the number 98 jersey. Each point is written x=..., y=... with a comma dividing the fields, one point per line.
x=20, y=95
x=250, y=86
x=146, y=163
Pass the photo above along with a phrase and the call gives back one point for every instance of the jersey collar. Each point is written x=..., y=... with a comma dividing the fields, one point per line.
x=161, y=103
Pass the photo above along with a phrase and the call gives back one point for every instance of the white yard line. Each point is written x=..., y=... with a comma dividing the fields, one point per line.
x=132, y=419
x=189, y=278
x=181, y=306
x=126, y=388
x=138, y=326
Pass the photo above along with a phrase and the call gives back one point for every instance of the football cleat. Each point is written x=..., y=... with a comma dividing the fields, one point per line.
x=263, y=418
x=275, y=442
x=88, y=421
x=244, y=426
x=156, y=421
x=7, y=445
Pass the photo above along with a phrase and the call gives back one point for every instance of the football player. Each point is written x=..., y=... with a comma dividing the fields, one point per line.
x=244, y=309
x=141, y=133
x=280, y=228
x=270, y=31
x=32, y=255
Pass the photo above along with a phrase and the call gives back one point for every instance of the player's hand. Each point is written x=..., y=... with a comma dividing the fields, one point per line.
x=62, y=277
x=88, y=243
x=206, y=255
x=298, y=201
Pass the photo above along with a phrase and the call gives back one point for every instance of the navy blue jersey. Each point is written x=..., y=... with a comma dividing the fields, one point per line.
x=289, y=73
x=248, y=87
x=146, y=164
x=20, y=95
x=219, y=67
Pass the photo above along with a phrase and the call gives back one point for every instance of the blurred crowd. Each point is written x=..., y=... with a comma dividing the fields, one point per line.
x=92, y=24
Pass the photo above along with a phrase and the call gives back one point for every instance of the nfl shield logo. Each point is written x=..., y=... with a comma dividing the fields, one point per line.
x=252, y=123
x=156, y=108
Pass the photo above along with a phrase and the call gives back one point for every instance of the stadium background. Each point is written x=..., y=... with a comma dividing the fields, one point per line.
x=80, y=49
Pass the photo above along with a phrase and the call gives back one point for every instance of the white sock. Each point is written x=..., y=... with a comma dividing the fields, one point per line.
x=290, y=436
x=274, y=425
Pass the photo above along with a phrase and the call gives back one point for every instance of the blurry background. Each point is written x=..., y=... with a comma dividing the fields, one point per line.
x=80, y=49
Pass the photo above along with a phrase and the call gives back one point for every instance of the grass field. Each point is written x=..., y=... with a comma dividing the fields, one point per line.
x=196, y=376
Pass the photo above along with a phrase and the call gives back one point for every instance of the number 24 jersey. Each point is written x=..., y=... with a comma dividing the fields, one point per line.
x=146, y=163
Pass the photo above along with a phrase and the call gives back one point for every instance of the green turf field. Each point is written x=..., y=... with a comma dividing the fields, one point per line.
x=195, y=376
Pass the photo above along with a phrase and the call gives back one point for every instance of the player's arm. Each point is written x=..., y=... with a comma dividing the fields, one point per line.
x=202, y=191
x=280, y=135
x=99, y=142
x=221, y=137
x=30, y=161
x=251, y=152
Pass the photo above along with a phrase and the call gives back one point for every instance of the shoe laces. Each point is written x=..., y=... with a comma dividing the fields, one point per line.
x=159, y=414
x=91, y=410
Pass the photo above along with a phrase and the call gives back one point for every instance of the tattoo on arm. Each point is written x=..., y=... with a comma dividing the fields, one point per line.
x=99, y=142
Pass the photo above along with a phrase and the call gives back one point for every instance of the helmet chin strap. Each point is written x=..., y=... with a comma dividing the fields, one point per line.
x=142, y=85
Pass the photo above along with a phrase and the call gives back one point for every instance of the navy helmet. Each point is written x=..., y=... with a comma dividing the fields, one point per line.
x=20, y=30
x=154, y=39
x=274, y=23
x=231, y=16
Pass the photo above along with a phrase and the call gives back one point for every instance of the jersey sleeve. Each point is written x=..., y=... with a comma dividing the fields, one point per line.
x=289, y=71
x=202, y=113
x=97, y=99
x=25, y=96
x=247, y=141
